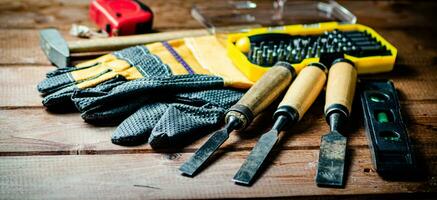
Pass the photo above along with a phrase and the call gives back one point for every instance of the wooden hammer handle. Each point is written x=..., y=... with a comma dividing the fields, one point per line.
x=340, y=89
x=116, y=43
x=305, y=89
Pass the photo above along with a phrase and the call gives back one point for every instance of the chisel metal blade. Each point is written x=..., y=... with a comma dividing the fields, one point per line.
x=332, y=155
x=203, y=153
x=256, y=158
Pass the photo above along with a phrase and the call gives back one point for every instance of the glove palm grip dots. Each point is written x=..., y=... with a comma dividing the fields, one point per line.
x=138, y=88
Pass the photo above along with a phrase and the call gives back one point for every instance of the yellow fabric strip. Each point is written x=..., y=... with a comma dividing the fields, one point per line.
x=131, y=74
x=101, y=59
x=205, y=55
x=159, y=50
x=90, y=77
x=95, y=81
x=181, y=48
x=92, y=72
x=176, y=68
x=211, y=54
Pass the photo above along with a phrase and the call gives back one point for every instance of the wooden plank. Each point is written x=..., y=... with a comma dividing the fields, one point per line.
x=153, y=176
x=415, y=48
x=22, y=49
x=393, y=14
x=174, y=14
x=36, y=131
x=32, y=14
x=63, y=13
x=28, y=130
x=18, y=85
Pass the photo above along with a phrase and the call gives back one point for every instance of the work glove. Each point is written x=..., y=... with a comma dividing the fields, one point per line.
x=190, y=106
x=201, y=55
x=166, y=110
x=104, y=104
x=110, y=70
x=186, y=82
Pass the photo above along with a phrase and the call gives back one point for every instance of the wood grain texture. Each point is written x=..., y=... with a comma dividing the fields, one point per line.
x=392, y=14
x=156, y=176
x=21, y=47
x=34, y=14
x=117, y=43
x=21, y=19
x=267, y=89
x=25, y=49
x=18, y=84
x=340, y=88
x=23, y=133
x=62, y=14
x=175, y=14
x=304, y=90
x=50, y=156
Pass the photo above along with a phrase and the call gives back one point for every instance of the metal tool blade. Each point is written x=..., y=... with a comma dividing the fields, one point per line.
x=55, y=47
x=256, y=158
x=330, y=171
x=201, y=155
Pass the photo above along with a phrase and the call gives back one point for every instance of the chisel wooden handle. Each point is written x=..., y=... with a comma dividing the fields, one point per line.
x=262, y=93
x=116, y=43
x=340, y=89
x=303, y=91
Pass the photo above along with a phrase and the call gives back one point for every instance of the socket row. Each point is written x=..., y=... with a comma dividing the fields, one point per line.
x=294, y=49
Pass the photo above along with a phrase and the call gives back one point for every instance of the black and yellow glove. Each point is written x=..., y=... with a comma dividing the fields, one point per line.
x=202, y=55
x=167, y=111
x=167, y=93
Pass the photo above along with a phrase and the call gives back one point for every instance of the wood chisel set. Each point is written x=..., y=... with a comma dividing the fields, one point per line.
x=300, y=59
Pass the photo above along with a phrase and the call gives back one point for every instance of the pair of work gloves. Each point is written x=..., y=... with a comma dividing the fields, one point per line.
x=167, y=93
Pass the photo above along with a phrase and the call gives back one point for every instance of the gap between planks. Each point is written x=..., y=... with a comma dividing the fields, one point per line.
x=173, y=14
x=37, y=132
x=18, y=84
x=25, y=48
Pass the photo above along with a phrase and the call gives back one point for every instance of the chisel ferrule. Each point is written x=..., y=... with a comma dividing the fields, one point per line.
x=338, y=60
x=291, y=113
x=242, y=113
x=319, y=65
x=336, y=108
x=335, y=121
x=288, y=66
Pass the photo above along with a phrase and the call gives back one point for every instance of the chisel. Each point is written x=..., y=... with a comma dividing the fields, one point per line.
x=240, y=115
x=339, y=95
x=299, y=97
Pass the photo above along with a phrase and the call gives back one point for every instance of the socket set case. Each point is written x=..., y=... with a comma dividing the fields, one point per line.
x=366, y=58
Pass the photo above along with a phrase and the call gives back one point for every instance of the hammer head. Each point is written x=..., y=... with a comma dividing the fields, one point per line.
x=55, y=47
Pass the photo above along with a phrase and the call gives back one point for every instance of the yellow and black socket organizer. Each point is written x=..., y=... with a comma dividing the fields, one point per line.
x=255, y=51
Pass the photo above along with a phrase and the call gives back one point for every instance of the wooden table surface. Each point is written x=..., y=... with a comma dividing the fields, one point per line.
x=50, y=156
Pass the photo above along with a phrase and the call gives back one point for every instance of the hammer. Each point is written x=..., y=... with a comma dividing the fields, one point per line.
x=58, y=49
